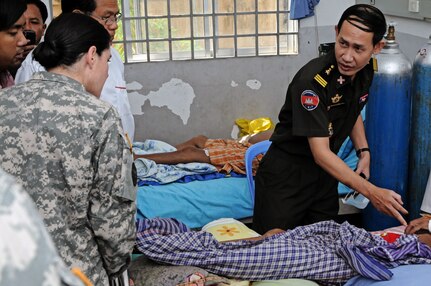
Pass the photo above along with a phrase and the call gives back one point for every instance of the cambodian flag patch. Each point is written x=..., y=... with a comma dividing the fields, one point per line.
x=363, y=98
x=309, y=100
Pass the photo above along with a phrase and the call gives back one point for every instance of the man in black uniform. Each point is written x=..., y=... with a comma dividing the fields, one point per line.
x=296, y=183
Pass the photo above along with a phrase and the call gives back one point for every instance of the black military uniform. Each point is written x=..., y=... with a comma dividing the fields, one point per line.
x=291, y=189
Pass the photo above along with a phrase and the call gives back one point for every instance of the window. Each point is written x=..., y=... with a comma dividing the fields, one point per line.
x=163, y=30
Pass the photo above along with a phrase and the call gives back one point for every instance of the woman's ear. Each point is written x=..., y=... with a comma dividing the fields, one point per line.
x=90, y=56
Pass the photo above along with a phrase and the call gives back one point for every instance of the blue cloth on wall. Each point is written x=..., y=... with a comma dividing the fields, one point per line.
x=302, y=8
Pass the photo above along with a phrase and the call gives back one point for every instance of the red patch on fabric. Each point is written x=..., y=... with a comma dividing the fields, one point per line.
x=390, y=237
x=309, y=100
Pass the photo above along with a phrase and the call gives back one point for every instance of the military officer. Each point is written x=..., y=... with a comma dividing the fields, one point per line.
x=296, y=183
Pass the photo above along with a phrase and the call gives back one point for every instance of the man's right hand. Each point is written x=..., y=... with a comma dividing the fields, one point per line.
x=388, y=202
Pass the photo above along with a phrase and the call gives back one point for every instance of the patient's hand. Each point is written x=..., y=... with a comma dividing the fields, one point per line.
x=417, y=224
x=272, y=232
x=269, y=233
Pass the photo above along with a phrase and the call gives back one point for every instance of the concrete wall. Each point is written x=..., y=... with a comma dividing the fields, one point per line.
x=173, y=101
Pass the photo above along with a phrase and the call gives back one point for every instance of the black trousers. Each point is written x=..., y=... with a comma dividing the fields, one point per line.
x=292, y=190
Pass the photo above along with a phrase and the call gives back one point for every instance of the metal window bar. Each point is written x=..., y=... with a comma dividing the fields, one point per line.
x=256, y=26
x=147, y=32
x=207, y=31
x=208, y=35
x=235, y=29
x=169, y=30
x=192, y=46
x=278, y=27
x=126, y=10
x=215, y=25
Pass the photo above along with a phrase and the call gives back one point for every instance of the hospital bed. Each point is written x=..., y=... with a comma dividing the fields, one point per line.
x=197, y=203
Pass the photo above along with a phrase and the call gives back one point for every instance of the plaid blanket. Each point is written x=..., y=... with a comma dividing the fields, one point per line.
x=326, y=252
x=227, y=155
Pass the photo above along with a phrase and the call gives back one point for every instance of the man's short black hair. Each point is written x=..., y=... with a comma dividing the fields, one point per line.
x=367, y=18
x=85, y=6
x=41, y=6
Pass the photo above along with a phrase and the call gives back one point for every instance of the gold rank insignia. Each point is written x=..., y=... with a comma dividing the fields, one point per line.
x=336, y=98
x=330, y=129
x=375, y=65
x=324, y=75
x=320, y=80
x=328, y=71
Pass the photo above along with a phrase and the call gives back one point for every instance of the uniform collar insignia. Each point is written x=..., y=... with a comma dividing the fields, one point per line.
x=341, y=80
x=336, y=98
x=324, y=75
x=329, y=70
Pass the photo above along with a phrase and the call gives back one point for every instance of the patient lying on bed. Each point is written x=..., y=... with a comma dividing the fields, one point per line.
x=225, y=154
x=326, y=252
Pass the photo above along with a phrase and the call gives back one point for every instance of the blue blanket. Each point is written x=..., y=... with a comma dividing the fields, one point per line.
x=196, y=203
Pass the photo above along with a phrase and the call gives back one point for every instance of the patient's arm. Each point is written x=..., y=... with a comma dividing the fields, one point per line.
x=186, y=155
x=197, y=141
x=261, y=136
x=419, y=227
x=418, y=224
x=425, y=238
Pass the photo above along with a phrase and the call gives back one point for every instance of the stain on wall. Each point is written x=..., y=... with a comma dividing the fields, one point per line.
x=176, y=95
x=254, y=84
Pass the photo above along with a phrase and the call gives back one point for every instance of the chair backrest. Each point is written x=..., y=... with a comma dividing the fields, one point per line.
x=252, y=151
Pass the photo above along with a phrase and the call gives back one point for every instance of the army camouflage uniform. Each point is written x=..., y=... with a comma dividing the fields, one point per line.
x=28, y=255
x=66, y=148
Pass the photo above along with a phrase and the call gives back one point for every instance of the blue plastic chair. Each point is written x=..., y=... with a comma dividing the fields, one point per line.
x=252, y=151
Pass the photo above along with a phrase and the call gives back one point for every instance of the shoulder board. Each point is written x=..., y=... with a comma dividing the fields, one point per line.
x=323, y=77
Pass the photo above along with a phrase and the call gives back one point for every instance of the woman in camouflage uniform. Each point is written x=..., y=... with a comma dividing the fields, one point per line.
x=66, y=148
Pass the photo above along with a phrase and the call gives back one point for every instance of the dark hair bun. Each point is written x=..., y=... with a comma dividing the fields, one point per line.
x=48, y=54
x=68, y=37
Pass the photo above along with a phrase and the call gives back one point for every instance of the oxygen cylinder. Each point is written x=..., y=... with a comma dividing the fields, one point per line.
x=387, y=127
x=420, y=150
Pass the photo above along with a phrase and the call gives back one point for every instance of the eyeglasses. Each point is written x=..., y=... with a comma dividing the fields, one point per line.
x=109, y=20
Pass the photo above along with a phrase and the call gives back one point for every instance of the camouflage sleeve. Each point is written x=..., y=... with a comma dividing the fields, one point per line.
x=112, y=206
x=28, y=254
